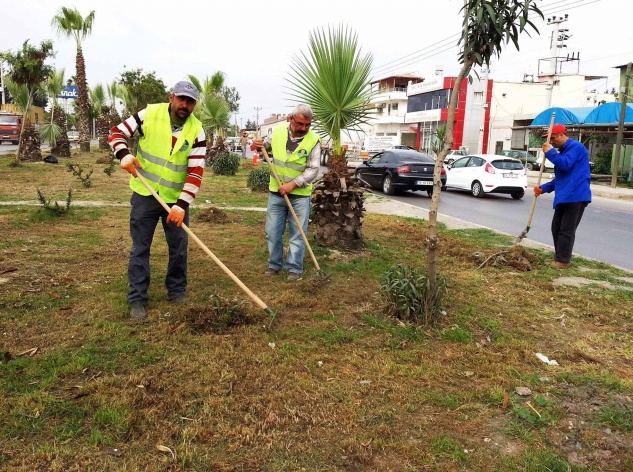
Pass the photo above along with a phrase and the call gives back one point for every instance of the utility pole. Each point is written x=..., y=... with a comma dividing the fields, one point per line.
x=257, y=117
x=553, y=60
x=4, y=99
x=624, y=93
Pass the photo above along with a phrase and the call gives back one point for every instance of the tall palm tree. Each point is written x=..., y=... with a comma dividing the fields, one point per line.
x=71, y=24
x=333, y=77
x=55, y=131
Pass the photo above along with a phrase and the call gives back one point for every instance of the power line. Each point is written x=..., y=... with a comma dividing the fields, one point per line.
x=425, y=53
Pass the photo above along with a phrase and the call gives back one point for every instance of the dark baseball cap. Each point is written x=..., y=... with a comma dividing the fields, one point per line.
x=187, y=89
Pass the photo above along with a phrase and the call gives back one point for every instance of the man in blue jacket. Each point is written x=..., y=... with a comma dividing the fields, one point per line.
x=571, y=183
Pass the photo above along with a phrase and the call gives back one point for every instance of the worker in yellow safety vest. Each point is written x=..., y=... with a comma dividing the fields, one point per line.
x=296, y=158
x=171, y=152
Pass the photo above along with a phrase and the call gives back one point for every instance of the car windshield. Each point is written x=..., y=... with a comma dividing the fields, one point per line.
x=8, y=120
x=417, y=159
x=507, y=164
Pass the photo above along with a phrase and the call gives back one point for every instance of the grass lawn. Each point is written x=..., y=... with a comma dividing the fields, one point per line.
x=335, y=385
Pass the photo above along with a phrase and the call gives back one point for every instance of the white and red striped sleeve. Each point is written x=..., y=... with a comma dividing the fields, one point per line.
x=119, y=135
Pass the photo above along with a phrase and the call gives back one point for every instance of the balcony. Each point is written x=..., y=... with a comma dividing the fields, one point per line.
x=390, y=95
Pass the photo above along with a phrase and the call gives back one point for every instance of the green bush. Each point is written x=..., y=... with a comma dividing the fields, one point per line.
x=406, y=292
x=258, y=179
x=602, y=162
x=226, y=164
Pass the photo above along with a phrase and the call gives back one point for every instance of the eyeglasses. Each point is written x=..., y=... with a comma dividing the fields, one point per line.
x=301, y=124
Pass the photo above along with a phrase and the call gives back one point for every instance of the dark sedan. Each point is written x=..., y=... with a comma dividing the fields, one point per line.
x=399, y=169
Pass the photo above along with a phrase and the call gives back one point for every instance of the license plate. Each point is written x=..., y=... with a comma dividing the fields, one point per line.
x=424, y=182
x=510, y=176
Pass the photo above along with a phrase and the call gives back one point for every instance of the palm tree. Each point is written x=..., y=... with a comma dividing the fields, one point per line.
x=69, y=23
x=55, y=132
x=488, y=26
x=29, y=74
x=212, y=108
x=334, y=79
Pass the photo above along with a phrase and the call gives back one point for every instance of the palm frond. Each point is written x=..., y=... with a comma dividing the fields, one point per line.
x=333, y=77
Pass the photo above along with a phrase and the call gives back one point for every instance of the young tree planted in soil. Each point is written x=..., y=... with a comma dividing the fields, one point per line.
x=489, y=25
x=71, y=24
x=333, y=77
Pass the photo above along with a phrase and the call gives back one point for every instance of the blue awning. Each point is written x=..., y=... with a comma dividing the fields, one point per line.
x=609, y=114
x=564, y=116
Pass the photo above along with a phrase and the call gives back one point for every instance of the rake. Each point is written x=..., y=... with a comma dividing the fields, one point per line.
x=538, y=184
x=226, y=270
x=294, y=215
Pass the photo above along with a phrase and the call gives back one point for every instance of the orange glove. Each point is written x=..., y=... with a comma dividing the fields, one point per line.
x=537, y=191
x=176, y=215
x=129, y=163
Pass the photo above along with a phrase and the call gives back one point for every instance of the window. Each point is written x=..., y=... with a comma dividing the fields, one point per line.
x=394, y=107
x=478, y=98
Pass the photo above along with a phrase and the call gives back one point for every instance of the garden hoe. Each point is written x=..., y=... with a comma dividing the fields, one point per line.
x=226, y=270
x=538, y=184
x=322, y=275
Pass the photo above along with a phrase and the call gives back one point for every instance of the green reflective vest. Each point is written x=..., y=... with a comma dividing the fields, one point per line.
x=165, y=170
x=290, y=166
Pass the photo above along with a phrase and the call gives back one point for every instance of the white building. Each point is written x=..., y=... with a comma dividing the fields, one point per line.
x=516, y=104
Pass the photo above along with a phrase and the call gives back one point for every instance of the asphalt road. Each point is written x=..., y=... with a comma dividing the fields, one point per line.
x=605, y=232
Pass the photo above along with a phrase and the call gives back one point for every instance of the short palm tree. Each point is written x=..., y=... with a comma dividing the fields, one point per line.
x=333, y=77
x=70, y=23
x=30, y=141
x=212, y=109
x=55, y=131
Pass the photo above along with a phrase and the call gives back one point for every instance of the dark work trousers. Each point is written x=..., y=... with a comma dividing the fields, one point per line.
x=144, y=216
x=566, y=219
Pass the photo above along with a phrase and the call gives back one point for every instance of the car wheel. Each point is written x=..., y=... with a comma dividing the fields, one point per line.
x=529, y=166
x=443, y=188
x=476, y=189
x=15, y=142
x=387, y=186
x=429, y=192
x=517, y=195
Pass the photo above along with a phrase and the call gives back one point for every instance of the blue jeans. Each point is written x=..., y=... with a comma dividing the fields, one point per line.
x=277, y=214
x=144, y=216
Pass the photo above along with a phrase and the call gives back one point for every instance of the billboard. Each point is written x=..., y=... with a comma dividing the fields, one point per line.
x=69, y=91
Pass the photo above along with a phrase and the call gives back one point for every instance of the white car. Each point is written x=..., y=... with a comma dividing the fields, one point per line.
x=548, y=164
x=453, y=155
x=488, y=173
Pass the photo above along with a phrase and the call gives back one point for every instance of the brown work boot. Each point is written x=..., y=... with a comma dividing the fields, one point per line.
x=559, y=265
x=271, y=271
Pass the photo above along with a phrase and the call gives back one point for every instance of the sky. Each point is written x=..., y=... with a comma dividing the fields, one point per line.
x=254, y=43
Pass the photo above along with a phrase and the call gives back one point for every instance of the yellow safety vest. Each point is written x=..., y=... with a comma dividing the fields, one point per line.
x=290, y=166
x=165, y=170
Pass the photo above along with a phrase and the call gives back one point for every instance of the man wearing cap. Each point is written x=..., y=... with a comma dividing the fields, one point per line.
x=171, y=152
x=572, y=177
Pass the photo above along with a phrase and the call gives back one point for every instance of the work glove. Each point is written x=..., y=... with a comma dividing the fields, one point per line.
x=176, y=215
x=130, y=163
x=537, y=191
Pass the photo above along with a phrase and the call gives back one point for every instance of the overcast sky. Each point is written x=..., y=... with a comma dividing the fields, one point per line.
x=253, y=42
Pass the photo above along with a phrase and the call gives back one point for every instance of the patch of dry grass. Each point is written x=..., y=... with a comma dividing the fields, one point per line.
x=335, y=386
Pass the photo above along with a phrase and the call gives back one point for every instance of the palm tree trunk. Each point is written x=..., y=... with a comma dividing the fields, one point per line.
x=62, y=146
x=339, y=207
x=431, y=241
x=82, y=102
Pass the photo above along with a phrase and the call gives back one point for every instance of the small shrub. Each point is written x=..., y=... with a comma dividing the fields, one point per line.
x=258, y=179
x=226, y=164
x=602, y=162
x=406, y=292
x=78, y=171
x=52, y=207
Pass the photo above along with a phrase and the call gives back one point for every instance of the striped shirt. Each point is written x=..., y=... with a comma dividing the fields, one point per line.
x=118, y=141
